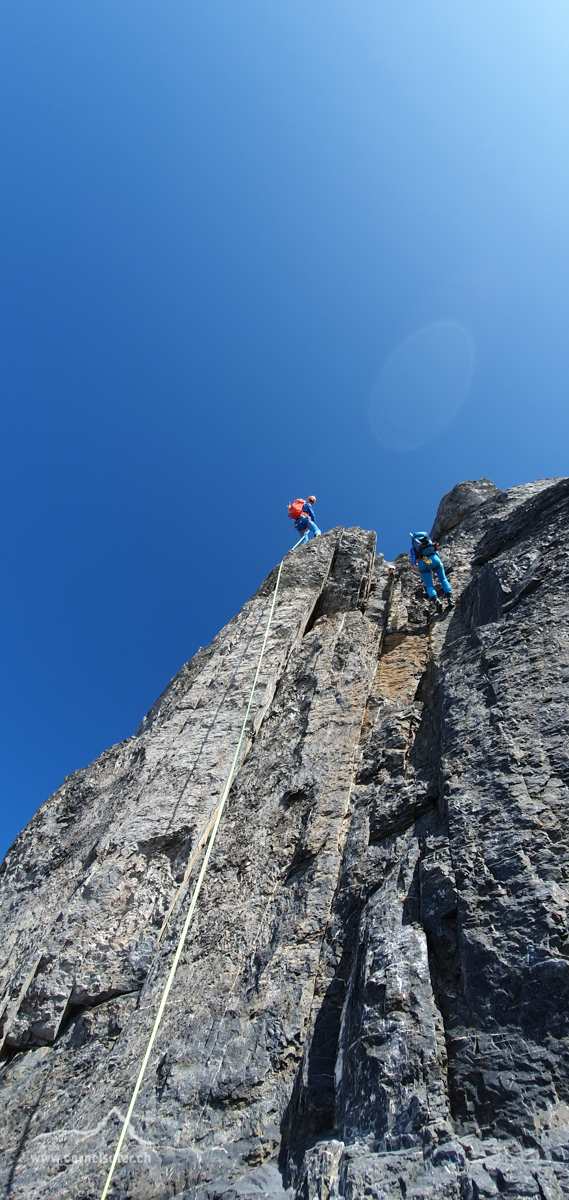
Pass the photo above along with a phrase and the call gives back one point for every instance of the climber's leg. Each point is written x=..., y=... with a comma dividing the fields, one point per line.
x=428, y=582
x=440, y=574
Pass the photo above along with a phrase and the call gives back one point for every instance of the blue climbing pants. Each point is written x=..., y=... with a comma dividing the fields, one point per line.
x=312, y=529
x=439, y=571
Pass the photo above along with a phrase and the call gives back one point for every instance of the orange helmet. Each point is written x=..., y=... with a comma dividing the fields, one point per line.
x=312, y=499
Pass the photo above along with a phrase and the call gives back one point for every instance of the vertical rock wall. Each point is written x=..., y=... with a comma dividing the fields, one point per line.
x=373, y=997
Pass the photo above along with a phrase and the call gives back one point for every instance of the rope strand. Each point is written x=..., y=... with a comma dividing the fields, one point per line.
x=194, y=900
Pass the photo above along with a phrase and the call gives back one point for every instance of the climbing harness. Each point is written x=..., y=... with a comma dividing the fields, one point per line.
x=212, y=832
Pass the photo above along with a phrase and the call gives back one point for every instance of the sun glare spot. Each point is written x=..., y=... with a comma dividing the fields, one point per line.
x=422, y=385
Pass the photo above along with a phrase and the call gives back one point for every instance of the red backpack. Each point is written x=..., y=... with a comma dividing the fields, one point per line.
x=295, y=509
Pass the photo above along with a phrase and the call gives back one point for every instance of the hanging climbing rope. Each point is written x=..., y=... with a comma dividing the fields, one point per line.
x=182, y=939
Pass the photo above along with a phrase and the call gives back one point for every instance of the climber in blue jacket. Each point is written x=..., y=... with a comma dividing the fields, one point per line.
x=306, y=522
x=426, y=559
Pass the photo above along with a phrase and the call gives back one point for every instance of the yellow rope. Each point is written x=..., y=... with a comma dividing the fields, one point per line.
x=193, y=903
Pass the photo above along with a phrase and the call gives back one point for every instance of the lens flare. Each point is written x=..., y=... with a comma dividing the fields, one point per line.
x=422, y=385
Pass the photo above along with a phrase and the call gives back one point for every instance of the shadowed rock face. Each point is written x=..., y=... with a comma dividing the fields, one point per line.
x=373, y=999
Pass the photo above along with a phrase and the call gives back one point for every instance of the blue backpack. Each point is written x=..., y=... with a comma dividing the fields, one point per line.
x=424, y=548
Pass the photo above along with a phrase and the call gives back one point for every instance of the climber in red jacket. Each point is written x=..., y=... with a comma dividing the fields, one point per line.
x=302, y=513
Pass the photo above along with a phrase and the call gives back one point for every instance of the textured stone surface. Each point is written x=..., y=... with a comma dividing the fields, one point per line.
x=373, y=999
x=461, y=501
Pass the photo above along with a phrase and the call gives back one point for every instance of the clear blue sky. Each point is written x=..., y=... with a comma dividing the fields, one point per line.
x=233, y=230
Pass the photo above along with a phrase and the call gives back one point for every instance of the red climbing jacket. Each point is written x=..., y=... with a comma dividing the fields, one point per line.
x=295, y=509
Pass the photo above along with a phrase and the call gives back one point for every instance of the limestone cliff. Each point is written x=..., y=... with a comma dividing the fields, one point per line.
x=373, y=1000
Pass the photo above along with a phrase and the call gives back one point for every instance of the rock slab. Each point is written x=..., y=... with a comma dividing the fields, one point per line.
x=373, y=999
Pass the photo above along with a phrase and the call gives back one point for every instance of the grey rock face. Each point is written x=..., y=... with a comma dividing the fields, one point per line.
x=463, y=499
x=373, y=998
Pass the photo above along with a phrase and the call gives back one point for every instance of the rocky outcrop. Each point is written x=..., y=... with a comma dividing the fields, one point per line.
x=373, y=997
x=463, y=499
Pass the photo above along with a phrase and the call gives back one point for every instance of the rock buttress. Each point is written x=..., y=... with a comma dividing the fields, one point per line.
x=373, y=997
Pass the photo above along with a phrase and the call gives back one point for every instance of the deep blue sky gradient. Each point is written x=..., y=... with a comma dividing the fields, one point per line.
x=219, y=219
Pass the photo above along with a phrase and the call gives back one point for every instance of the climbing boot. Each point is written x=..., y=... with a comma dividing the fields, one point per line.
x=450, y=601
x=436, y=607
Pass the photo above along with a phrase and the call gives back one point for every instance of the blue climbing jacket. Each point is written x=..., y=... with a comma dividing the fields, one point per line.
x=303, y=521
x=423, y=552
